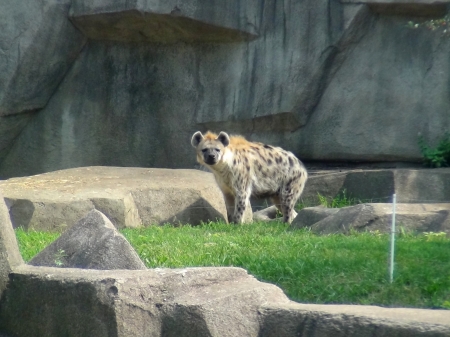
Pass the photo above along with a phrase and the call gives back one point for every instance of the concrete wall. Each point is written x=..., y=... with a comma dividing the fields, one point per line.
x=325, y=79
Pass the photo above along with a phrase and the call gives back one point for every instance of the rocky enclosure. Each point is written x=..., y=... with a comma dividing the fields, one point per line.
x=126, y=83
x=213, y=302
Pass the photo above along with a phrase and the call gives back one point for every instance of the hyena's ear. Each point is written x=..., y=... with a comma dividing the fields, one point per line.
x=196, y=139
x=223, y=138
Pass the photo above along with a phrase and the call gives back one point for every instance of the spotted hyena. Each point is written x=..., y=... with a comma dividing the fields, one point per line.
x=243, y=169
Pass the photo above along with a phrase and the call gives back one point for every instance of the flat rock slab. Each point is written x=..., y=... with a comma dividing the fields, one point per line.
x=410, y=185
x=294, y=319
x=9, y=250
x=164, y=22
x=92, y=243
x=371, y=217
x=423, y=8
x=128, y=196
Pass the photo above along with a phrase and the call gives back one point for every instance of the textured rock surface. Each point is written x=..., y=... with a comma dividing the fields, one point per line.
x=410, y=185
x=92, y=243
x=129, y=197
x=371, y=217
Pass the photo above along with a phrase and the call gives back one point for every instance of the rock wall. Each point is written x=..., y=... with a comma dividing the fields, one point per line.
x=126, y=83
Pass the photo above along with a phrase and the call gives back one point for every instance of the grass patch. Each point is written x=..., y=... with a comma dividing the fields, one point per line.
x=32, y=242
x=309, y=268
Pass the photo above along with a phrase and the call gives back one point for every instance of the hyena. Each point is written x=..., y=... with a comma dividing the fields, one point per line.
x=243, y=169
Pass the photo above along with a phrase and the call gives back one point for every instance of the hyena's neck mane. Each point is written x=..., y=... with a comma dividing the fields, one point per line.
x=238, y=142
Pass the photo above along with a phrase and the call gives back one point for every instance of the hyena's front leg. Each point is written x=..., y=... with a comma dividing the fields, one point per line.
x=230, y=203
x=241, y=202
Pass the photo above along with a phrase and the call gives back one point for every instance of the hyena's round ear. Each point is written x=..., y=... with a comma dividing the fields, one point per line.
x=196, y=139
x=223, y=138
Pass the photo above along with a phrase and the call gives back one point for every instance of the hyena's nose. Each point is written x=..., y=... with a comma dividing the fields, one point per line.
x=211, y=156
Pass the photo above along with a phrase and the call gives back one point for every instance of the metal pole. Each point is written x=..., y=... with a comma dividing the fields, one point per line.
x=391, y=260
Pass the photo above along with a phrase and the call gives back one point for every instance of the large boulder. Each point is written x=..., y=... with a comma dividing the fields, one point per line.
x=160, y=302
x=92, y=243
x=375, y=217
x=128, y=196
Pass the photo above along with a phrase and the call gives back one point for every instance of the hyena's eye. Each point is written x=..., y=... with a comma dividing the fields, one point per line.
x=204, y=150
x=218, y=150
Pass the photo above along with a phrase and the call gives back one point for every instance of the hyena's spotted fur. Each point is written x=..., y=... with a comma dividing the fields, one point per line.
x=243, y=169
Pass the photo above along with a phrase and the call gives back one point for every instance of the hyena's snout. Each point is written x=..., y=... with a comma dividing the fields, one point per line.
x=211, y=157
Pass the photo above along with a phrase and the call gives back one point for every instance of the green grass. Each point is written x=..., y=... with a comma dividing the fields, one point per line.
x=32, y=242
x=309, y=268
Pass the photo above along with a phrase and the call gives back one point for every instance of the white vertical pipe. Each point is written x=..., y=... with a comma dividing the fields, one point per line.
x=391, y=260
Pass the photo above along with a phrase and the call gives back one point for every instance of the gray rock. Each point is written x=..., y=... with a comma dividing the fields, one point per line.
x=376, y=217
x=410, y=185
x=129, y=197
x=266, y=214
x=295, y=319
x=9, y=251
x=92, y=243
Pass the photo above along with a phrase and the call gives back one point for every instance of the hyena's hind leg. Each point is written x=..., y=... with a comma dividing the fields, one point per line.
x=290, y=193
x=285, y=209
x=277, y=202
